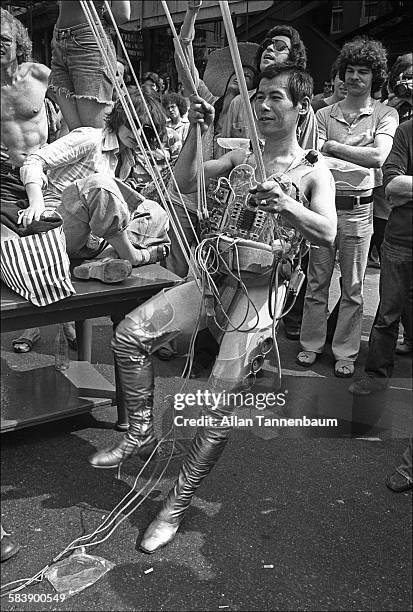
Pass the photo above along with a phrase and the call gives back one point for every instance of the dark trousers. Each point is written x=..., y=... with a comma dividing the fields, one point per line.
x=396, y=292
x=379, y=227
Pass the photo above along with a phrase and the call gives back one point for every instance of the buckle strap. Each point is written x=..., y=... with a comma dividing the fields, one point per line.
x=344, y=202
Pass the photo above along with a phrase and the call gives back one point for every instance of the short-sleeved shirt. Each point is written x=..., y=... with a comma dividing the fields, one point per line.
x=400, y=163
x=377, y=119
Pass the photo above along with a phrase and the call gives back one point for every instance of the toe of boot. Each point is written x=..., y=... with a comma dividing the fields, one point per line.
x=158, y=534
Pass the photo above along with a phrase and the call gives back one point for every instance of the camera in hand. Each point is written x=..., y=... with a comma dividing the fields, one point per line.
x=404, y=86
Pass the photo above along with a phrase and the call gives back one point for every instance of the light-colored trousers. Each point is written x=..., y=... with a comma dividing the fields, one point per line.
x=354, y=229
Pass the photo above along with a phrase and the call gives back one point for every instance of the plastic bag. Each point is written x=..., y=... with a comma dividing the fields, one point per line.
x=77, y=572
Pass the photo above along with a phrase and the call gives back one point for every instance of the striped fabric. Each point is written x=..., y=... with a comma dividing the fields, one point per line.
x=37, y=267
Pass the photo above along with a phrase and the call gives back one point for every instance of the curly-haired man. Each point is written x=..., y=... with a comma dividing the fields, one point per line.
x=23, y=130
x=176, y=108
x=357, y=135
x=24, y=126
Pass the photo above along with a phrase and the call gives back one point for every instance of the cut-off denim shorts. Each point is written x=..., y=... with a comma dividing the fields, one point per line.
x=79, y=69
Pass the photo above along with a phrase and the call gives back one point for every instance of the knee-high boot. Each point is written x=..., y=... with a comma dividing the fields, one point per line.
x=206, y=448
x=137, y=380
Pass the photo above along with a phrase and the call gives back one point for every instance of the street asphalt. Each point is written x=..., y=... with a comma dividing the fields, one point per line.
x=289, y=518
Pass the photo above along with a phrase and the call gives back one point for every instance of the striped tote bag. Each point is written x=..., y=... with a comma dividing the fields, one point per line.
x=37, y=267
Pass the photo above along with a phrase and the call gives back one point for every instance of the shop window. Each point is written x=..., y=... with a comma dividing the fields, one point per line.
x=336, y=19
x=369, y=12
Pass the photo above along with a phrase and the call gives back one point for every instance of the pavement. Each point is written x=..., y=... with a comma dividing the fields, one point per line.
x=290, y=518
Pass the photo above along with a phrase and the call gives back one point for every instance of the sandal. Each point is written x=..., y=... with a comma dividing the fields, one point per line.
x=306, y=358
x=24, y=344
x=344, y=368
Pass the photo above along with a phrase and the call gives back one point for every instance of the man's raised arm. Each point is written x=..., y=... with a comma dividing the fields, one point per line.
x=186, y=167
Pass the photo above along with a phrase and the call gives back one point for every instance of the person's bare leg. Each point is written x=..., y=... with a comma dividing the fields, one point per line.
x=92, y=113
x=69, y=111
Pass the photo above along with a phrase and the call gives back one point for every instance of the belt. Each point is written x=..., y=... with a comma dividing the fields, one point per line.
x=344, y=202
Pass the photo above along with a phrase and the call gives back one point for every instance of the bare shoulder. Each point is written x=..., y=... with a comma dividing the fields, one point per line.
x=37, y=71
x=319, y=178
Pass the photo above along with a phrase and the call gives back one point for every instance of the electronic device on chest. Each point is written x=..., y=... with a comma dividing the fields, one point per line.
x=234, y=211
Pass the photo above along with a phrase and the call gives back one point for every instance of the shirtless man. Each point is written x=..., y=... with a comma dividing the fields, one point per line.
x=283, y=95
x=23, y=89
x=24, y=126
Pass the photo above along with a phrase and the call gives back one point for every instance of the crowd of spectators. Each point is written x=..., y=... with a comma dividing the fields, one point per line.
x=347, y=123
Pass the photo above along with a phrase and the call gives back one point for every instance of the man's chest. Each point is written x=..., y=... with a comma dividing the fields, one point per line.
x=22, y=101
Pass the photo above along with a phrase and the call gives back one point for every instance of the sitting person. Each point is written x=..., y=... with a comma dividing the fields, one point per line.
x=82, y=176
x=283, y=94
x=24, y=129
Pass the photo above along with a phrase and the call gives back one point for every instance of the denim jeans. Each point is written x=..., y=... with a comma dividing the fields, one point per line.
x=78, y=67
x=396, y=291
x=406, y=467
x=105, y=207
x=352, y=242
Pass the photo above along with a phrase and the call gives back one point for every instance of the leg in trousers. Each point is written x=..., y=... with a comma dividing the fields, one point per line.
x=210, y=440
x=141, y=332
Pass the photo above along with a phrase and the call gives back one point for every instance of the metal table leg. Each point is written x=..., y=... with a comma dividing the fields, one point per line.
x=123, y=421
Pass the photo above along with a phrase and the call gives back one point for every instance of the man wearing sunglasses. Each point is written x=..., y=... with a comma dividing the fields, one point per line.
x=83, y=176
x=282, y=44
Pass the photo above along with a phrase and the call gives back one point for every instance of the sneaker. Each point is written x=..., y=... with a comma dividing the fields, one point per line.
x=368, y=385
x=399, y=482
x=107, y=270
x=404, y=347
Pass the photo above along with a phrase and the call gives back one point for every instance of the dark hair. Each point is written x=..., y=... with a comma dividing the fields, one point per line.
x=399, y=66
x=117, y=115
x=297, y=55
x=334, y=70
x=175, y=98
x=299, y=84
x=151, y=76
x=23, y=42
x=363, y=51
